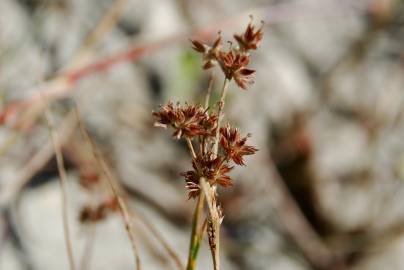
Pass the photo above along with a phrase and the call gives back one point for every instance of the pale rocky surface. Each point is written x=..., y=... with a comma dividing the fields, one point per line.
x=353, y=119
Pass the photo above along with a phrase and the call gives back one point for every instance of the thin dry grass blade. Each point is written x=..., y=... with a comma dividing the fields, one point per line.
x=171, y=252
x=123, y=208
x=63, y=189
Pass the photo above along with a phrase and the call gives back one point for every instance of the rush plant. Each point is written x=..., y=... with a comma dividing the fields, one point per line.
x=215, y=148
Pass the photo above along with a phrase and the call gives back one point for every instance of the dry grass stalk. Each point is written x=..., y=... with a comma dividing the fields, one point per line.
x=123, y=208
x=63, y=189
x=90, y=180
x=171, y=252
x=128, y=213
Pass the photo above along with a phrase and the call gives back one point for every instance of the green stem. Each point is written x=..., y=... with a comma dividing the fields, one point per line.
x=195, y=238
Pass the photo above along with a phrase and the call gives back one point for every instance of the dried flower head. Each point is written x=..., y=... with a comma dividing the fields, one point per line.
x=234, y=146
x=234, y=61
x=233, y=64
x=209, y=53
x=187, y=120
x=251, y=38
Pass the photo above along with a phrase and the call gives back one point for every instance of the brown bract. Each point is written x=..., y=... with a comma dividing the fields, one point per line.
x=234, y=146
x=209, y=53
x=250, y=39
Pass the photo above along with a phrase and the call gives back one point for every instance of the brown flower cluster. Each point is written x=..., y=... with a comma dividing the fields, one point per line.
x=234, y=61
x=234, y=146
x=219, y=148
x=250, y=39
x=193, y=121
x=215, y=170
x=187, y=120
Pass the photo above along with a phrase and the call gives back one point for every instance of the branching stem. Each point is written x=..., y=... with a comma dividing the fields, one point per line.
x=220, y=115
x=210, y=191
x=191, y=148
x=209, y=92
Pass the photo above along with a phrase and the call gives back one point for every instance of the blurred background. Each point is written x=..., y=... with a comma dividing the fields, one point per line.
x=325, y=191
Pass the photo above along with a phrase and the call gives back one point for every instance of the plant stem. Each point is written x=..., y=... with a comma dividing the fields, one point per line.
x=150, y=226
x=63, y=187
x=191, y=148
x=209, y=91
x=220, y=115
x=195, y=237
x=210, y=191
x=199, y=234
x=194, y=242
x=214, y=219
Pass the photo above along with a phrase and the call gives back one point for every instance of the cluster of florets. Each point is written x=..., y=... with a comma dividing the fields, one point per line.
x=219, y=148
x=234, y=61
x=187, y=120
x=194, y=122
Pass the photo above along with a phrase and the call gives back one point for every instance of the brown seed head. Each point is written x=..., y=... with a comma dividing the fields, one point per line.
x=234, y=146
x=251, y=38
x=233, y=64
x=186, y=120
x=209, y=53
